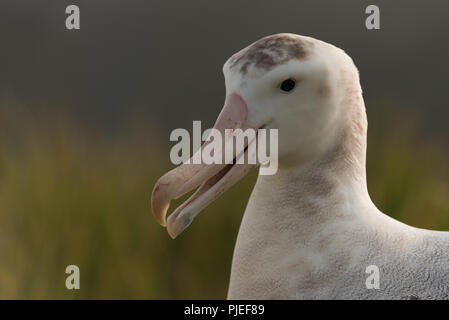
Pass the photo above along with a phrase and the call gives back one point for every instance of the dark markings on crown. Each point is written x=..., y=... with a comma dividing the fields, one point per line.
x=271, y=51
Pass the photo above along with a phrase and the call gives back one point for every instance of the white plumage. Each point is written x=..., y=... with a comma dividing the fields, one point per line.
x=311, y=230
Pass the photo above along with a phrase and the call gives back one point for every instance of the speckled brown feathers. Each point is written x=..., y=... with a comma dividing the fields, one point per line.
x=271, y=51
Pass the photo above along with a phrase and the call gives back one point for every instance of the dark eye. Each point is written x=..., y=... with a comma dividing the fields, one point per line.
x=288, y=85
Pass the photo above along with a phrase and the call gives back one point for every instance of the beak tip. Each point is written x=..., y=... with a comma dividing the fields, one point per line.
x=172, y=235
x=159, y=207
x=159, y=215
x=162, y=223
x=160, y=218
x=172, y=232
x=177, y=224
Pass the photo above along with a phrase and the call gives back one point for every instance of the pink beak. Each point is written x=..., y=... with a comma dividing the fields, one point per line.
x=212, y=179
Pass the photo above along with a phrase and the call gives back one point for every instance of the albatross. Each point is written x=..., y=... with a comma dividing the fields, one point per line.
x=310, y=231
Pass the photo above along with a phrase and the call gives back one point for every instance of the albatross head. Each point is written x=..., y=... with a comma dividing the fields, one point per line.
x=307, y=89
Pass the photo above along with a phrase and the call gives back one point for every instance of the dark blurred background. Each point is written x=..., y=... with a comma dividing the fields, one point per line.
x=85, y=118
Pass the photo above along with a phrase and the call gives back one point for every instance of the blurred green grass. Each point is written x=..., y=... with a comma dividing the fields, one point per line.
x=69, y=195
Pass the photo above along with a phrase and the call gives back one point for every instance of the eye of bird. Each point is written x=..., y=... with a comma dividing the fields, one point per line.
x=288, y=85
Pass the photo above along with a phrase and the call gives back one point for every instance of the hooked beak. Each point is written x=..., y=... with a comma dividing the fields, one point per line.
x=212, y=179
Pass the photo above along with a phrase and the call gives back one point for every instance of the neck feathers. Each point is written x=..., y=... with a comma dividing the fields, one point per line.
x=352, y=144
x=334, y=176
